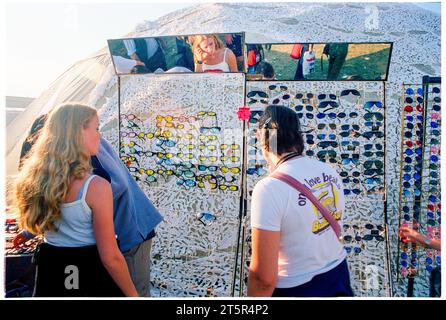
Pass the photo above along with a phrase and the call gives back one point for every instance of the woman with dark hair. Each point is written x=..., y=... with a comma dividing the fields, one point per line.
x=296, y=251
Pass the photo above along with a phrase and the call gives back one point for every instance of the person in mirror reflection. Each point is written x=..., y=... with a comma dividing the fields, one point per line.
x=234, y=42
x=56, y=195
x=337, y=53
x=148, y=51
x=211, y=55
x=299, y=75
x=266, y=70
x=295, y=252
x=126, y=66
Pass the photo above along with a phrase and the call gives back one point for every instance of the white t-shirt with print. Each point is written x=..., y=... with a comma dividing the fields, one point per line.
x=308, y=245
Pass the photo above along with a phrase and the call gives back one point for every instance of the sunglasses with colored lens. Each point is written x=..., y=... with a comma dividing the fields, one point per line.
x=284, y=97
x=309, y=153
x=307, y=115
x=253, y=101
x=410, y=91
x=350, y=145
x=352, y=91
x=370, y=134
x=370, y=115
x=322, y=115
x=301, y=107
x=353, y=174
x=434, y=124
x=374, y=124
x=351, y=180
x=373, y=171
x=326, y=144
x=436, y=90
x=322, y=126
x=347, y=127
x=351, y=115
x=274, y=87
x=324, y=153
x=259, y=93
x=369, y=237
x=324, y=96
x=410, y=100
x=353, y=160
x=370, y=104
x=325, y=104
x=352, y=191
x=356, y=250
x=322, y=136
x=206, y=218
x=411, y=118
x=204, y=168
x=373, y=180
x=349, y=238
x=369, y=146
x=374, y=153
x=300, y=96
x=186, y=182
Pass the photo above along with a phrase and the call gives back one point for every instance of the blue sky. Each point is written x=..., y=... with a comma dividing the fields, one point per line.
x=43, y=40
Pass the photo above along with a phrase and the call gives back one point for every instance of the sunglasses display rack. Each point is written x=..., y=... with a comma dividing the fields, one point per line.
x=185, y=152
x=343, y=124
x=420, y=195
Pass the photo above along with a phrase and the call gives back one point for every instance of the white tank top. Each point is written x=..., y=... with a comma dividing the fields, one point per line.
x=75, y=227
x=219, y=67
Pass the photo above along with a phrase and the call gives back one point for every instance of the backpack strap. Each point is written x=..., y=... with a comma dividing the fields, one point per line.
x=307, y=192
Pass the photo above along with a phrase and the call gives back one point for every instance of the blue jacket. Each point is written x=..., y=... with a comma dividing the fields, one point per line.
x=134, y=215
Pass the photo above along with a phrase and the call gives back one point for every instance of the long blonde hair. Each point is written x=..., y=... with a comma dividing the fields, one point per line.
x=58, y=155
x=199, y=38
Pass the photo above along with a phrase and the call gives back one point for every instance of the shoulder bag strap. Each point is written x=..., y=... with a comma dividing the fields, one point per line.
x=307, y=192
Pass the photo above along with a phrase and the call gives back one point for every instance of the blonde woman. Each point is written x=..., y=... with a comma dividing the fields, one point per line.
x=211, y=55
x=56, y=195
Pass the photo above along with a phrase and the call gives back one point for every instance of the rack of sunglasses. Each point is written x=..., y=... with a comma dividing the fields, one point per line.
x=344, y=127
x=181, y=140
x=420, y=194
x=343, y=124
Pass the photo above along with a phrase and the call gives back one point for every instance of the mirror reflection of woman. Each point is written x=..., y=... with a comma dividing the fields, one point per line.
x=211, y=55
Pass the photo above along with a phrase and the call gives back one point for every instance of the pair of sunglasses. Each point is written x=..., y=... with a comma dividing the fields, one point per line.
x=326, y=144
x=325, y=104
x=410, y=91
x=259, y=93
x=370, y=104
x=301, y=107
x=370, y=134
x=409, y=108
x=411, y=118
x=274, y=87
x=353, y=174
x=300, y=96
x=350, y=91
x=410, y=100
x=370, y=115
x=325, y=96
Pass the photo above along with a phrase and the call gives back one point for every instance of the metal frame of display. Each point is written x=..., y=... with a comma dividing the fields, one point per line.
x=387, y=253
x=427, y=81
